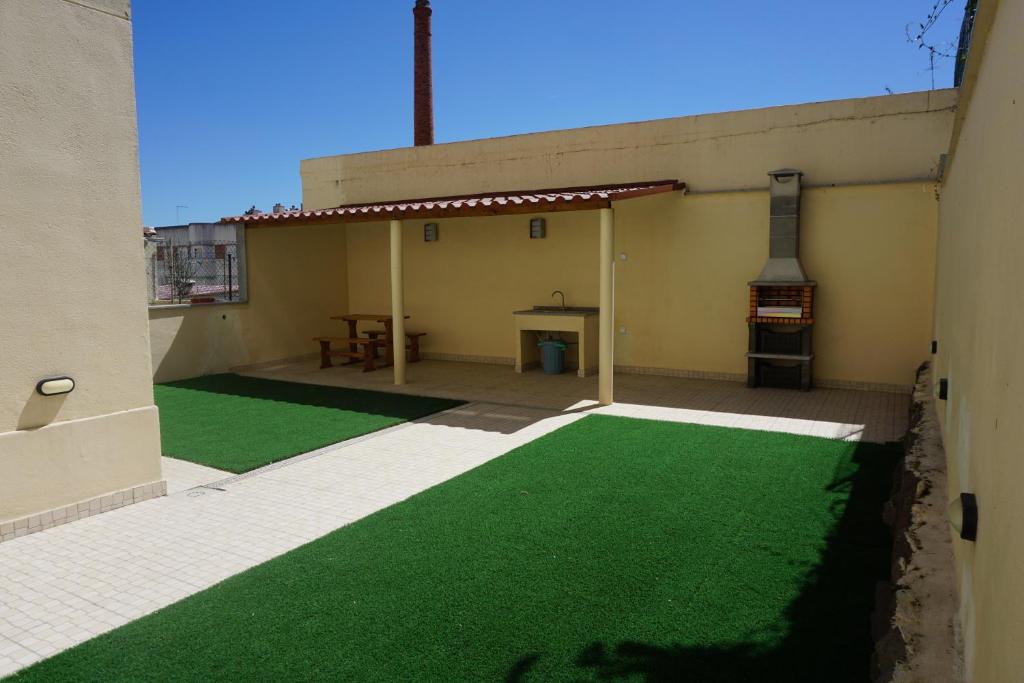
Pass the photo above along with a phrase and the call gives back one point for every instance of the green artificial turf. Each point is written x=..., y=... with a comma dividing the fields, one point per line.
x=238, y=423
x=613, y=548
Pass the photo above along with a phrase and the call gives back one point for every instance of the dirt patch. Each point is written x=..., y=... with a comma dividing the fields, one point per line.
x=914, y=619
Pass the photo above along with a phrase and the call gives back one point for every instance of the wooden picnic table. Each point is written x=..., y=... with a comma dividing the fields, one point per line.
x=353, y=320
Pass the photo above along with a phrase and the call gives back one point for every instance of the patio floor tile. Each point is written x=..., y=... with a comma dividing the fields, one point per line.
x=79, y=580
x=866, y=415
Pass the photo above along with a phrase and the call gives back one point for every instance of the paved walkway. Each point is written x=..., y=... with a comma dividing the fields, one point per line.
x=65, y=585
x=182, y=475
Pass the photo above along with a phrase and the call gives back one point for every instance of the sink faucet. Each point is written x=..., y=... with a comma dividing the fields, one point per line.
x=558, y=291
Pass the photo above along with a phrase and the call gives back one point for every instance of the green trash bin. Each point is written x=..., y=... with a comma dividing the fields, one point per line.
x=552, y=356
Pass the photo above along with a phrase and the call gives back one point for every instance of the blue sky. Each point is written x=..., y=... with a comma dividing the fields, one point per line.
x=232, y=94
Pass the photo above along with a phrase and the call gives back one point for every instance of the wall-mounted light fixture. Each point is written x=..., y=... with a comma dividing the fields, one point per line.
x=943, y=389
x=54, y=386
x=538, y=228
x=935, y=346
x=963, y=516
x=430, y=232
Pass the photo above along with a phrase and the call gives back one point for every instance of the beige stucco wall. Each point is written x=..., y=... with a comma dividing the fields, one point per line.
x=71, y=266
x=869, y=140
x=462, y=289
x=869, y=221
x=980, y=330
x=682, y=295
x=296, y=281
x=681, y=292
x=869, y=231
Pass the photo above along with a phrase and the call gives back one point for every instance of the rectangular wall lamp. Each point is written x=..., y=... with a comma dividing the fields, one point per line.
x=538, y=228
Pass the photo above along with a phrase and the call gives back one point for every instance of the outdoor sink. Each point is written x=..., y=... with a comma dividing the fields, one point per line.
x=559, y=310
x=576, y=325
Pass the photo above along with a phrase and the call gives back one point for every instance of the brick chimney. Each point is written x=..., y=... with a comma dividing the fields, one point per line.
x=423, y=98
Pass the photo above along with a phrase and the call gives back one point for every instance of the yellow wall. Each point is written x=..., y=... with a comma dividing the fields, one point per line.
x=681, y=292
x=71, y=266
x=462, y=289
x=980, y=330
x=296, y=281
x=867, y=140
x=872, y=250
x=868, y=232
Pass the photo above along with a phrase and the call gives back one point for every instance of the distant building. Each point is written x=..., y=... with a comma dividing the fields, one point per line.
x=195, y=233
x=193, y=263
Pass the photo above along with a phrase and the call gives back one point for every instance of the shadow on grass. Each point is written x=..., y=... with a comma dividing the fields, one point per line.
x=829, y=623
x=400, y=406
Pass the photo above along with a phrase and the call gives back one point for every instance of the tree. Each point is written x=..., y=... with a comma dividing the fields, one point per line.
x=181, y=269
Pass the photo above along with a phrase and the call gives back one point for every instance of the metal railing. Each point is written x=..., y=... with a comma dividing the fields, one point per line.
x=964, y=45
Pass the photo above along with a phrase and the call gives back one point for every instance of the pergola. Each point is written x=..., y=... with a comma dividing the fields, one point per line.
x=599, y=198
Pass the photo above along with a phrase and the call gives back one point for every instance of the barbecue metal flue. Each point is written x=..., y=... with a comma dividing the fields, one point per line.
x=783, y=264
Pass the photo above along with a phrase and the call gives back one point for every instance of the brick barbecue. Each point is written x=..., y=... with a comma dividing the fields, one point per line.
x=781, y=312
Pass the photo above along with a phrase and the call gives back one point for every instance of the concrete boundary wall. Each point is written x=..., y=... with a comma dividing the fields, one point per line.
x=72, y=274
x=297, y=279
x=681, y=279
x=868, y=236
x=979, y=327
x=857, y=141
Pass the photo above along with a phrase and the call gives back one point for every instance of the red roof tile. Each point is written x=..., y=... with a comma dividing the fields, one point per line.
x=484, y=204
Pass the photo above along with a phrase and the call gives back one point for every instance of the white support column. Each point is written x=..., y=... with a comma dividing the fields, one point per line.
x=398, y=302
x=606, y=348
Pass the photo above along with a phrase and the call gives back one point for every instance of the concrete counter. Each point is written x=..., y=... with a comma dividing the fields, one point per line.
x=579, y=322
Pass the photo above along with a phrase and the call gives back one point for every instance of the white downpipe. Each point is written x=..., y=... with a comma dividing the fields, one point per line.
x=606, y=346
x=398, y=302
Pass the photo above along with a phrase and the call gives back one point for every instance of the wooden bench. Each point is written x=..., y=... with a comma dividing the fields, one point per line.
x=367, y=355
x=413, y=346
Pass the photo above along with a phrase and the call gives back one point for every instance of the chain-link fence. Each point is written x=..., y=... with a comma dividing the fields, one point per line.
x=183, y=272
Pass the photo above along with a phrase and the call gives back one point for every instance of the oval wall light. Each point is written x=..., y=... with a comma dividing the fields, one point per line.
x=54, y=386
x=963, y=516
